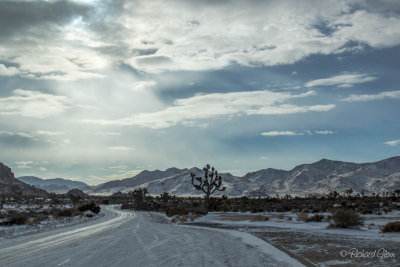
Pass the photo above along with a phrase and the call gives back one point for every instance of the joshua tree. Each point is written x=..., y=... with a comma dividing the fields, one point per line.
x=397, y=191
x=74, y=199
x=210, y=183
x=348, y=192
x=2, y=200
x=139, y=195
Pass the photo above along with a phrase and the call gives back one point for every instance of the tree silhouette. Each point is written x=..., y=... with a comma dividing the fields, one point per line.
x=210, y=183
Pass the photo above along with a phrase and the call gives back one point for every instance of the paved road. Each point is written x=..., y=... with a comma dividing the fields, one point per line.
x=126, y=238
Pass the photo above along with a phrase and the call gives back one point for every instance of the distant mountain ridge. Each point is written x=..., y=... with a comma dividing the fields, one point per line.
x=9, y=185
x=318, y=178
x=57, y=185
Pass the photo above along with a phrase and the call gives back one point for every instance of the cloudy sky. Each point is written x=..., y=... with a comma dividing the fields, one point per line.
x=100, y=90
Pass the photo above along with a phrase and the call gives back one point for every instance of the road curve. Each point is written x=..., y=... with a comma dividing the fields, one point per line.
x=126, y=238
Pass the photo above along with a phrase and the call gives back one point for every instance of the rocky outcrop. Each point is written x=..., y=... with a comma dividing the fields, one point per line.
x=9, y=185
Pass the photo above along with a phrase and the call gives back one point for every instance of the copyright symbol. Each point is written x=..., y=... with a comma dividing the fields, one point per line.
x=343, y=253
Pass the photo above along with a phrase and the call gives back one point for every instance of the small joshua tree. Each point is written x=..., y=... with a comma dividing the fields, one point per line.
x=210, y=183
x=348, y=192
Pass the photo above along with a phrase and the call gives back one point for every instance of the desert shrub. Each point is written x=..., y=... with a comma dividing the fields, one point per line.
x=176, y=211
x=198, y=210
x=41, y=217
x=20, y=218
x=391, y=227
x=366, y=210
x=315, y=218
x=65, y=213
x=16, y=218
x=302, y=216
x=125, y=206
x=90, y=206
x=259, y=218
x=281, y=216
x=345, y=218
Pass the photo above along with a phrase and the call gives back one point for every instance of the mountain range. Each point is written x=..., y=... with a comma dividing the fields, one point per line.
x=56, y=185
x=318, y=178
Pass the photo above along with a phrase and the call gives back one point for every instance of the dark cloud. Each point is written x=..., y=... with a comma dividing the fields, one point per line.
x=144, y=52
x=154, y=60
x=16, y=141
x=16, y=17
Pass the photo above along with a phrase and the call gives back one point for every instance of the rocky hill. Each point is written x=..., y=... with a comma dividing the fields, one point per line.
x=9, y=185
x=318, y=178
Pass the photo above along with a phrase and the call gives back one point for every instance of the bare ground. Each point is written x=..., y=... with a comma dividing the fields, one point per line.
x=316, y=248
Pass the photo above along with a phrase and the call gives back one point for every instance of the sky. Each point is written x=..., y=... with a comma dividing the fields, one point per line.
x=100, y=90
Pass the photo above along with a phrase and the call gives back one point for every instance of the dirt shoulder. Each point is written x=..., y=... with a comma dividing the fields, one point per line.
x=323, y=249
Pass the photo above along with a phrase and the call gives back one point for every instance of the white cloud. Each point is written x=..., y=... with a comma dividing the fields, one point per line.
x=8, y=71
x=22, y=134
x=118, y=167
x=325, y=132
x=58, y=64
x=49, y=133
x=196, y=36
x=43, y=169
x=144, y=85
x=264, y=158
x=393, y=143
x=33, y=104
x=280, y=133
x=24, y=164
x=292, y=133
x=189, y=110
x=343, y=80
x=359, y=98
x=266, y=33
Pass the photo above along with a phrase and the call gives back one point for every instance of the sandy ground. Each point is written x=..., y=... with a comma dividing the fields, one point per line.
x=313, y=244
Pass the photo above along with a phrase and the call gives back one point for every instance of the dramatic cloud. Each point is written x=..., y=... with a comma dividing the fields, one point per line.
x=393, y=143
x=205, y=106
x=383, y=95
x=344, y=80
x=33, y=104
x=209, y=74
x=73, y=43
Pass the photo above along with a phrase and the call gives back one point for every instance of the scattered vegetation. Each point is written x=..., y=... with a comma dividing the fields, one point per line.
x=257, y=218
x=176, y=211
x=93, y=207
x=34, y=210
x=316, y=218
x=302, y=216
